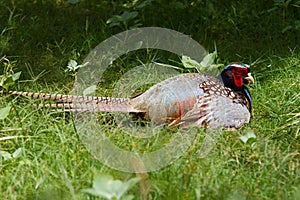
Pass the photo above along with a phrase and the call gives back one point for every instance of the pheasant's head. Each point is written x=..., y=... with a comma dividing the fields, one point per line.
x=235, y=75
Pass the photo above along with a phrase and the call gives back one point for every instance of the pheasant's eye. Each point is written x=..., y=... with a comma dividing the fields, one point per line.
x=238, y=72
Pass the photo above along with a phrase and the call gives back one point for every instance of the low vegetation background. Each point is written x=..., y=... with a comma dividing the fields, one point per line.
x=42, y=157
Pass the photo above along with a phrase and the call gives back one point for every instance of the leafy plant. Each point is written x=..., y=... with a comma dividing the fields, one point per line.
x=73, y=67
x=8, y=78
x=248, y=137
x=4, y=112
x=124, y=19
x=207, y=62
x=105, y=186
x=207, y=65
x=74, y=1
x=129, y=18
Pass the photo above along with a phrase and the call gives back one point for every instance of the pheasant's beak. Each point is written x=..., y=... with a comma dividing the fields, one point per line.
x=249, y=78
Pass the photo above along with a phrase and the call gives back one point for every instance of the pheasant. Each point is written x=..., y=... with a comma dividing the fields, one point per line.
x=185, y=100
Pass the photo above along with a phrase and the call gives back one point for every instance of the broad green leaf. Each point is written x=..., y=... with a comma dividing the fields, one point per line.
x=127, y=185
x=189, y=63
x=206, y=66
x=249, y=135
x=4, y=112
x=105, y=186
x=74, y=1
x=128, y=15
x=16, y=76
x=209, y=59
x=101, y=186
x=144, y=4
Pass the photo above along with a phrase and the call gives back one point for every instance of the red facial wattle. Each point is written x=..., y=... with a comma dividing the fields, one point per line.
x=238, y=74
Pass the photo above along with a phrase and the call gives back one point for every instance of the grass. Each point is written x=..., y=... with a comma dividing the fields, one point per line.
x=39, y=38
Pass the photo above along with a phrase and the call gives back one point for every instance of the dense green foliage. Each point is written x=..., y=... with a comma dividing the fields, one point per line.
x=39, y=38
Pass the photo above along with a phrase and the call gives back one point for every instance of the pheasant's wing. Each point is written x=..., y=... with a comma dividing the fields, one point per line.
x=169, y=99
x=216, y=111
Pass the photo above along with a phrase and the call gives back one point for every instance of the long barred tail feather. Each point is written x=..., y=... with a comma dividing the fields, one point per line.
x=41, y=96
x=70, y=103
